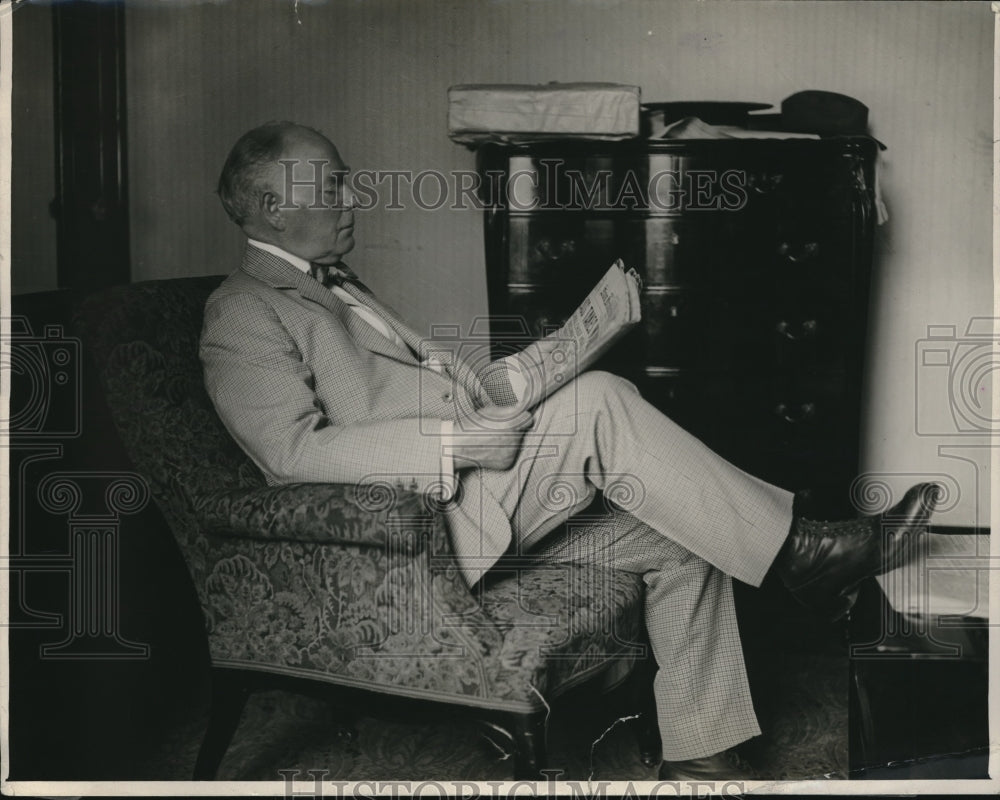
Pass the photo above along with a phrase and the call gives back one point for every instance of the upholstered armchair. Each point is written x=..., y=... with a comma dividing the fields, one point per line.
x=351, y=589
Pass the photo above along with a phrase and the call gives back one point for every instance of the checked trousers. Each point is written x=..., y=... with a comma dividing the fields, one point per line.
x=684, y=518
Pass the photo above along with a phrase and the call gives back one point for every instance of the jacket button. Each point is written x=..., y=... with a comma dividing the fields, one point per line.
x=446, y=396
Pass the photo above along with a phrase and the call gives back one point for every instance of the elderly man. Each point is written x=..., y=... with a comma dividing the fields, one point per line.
x=319, y=381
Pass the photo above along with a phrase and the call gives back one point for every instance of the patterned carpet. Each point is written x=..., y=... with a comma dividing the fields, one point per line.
x=802, y=708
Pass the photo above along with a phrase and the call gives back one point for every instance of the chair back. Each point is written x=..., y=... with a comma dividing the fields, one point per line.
x=143, y=340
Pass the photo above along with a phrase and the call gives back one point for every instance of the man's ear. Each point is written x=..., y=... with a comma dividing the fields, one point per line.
x=270, y=210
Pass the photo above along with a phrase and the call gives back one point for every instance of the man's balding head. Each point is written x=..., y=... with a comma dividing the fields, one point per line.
x=284, y=183
x=249, y=165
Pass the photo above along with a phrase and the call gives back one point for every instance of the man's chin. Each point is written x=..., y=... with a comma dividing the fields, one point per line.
x=332, y=258
x=345, y=244
x=341, y=250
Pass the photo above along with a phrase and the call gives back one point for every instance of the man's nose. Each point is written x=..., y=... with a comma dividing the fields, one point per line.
x=350, y=199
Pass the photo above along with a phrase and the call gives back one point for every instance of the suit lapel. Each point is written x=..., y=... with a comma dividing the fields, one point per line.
x=279, y=274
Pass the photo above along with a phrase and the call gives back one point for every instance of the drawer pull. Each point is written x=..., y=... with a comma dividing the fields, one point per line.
x=806, y=252
x=806, y=330
x=565, y=248
x=803, y=413
x=764, y=183
x=544, y=326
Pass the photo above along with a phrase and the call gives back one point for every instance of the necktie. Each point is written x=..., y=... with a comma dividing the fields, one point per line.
x=330, y=275
x=379, y=316
x=344, y=277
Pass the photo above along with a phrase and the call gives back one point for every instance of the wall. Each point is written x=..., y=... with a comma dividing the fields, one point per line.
x=374, y=76
x=935, y=261
x=33, y=176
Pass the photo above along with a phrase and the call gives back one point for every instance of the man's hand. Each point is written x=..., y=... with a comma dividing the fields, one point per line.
x=537, y=365
x=489, y=438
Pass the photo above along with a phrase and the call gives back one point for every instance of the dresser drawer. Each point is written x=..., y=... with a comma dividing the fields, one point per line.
x=685, y=328
x=781, y=407
x=825, y=184
x=744, y=333
x=808, y=335
x=731, y=252
x=797, y=437
x=701, y=329
x=796, y=404
x=828, y=186
x=679, y=327
x=810, y=259
x=569, y=250
x=721, y=250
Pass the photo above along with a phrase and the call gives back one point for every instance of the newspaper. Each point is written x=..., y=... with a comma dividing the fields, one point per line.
x=610, y=310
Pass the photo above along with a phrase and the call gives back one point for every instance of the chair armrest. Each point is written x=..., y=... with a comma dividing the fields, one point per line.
x=356, y=611
x=313, y=512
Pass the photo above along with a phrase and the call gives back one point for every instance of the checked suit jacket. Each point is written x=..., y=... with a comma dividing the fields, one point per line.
x=313, y=393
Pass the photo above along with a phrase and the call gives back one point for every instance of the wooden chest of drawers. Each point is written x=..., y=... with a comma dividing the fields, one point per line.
x=755, y=257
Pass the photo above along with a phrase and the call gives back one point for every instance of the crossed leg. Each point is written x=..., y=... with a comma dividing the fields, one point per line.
x=703, y=700
x=597, y=433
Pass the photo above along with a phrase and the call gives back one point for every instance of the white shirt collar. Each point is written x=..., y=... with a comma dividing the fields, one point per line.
x=296, y=261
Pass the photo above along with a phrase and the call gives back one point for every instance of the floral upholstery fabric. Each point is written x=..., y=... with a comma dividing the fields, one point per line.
x=352, y=585
x=303, y=511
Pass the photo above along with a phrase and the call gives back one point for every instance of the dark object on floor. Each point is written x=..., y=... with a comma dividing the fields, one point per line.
x=918, y=692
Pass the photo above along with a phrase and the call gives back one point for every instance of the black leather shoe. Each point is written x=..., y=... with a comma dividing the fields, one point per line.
x=822, y=563
x=724, y=766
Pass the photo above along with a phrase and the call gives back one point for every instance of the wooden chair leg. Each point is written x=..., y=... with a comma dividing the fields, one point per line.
x=228, y=700
x=345, y=722
x=647, y=733
x=646, y=728
x=529, y=739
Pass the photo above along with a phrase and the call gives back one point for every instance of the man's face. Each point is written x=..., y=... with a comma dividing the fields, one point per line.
x=316, y=205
